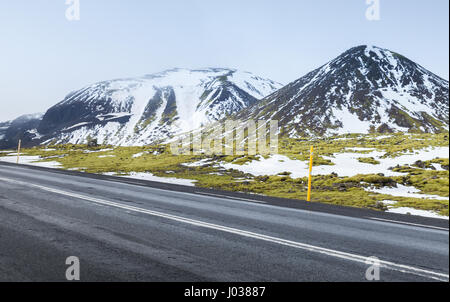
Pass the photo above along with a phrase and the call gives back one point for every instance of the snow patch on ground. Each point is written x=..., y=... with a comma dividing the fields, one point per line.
x=199, y=163
x=416, y=212
x=138, y=154
x=76, y=126
x=411, y=211
x=351, y=123
x=98, y=151
x=29, y=160
x=36, y=134
x=383, y=137
x=273, y=165
x=346, y=164
x=151, y=177
x=404, y=191
x=389, y=202
x=437, y=167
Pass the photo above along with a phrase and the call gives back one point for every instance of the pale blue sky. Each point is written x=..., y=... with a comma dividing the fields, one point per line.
x=43, y=56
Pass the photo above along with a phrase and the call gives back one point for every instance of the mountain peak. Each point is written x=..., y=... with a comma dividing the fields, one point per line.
x=365, y=89
x=154, y=107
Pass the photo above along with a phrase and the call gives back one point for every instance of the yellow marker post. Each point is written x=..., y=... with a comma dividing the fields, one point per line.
x=18, y=151
x=310, y=173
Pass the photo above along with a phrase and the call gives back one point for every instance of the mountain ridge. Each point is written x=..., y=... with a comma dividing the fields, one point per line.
x=365, y=89
x=151, y=108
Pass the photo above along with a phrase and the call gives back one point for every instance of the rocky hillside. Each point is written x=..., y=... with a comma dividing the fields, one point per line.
x=152, y=108
x=23, y=128
x=366, y=89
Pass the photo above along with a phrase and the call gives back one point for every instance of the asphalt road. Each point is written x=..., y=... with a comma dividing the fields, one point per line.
x=124, y=230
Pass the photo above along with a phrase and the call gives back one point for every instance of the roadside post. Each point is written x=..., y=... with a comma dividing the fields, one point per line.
x=18, y=151
x=310, y=173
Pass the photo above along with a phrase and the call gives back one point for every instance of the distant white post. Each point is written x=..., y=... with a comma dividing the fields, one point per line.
x=18, y=151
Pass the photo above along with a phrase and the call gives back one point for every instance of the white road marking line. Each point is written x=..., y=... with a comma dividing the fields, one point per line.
x=409, y=223
x=303, y=246
x=228, y=197
x=130, y=181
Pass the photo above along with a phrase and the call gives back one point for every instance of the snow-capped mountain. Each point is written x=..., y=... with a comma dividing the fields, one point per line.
x=152, y=108
x=366, y=89
x=363, y=90
x=23, y=127
x=3, y=127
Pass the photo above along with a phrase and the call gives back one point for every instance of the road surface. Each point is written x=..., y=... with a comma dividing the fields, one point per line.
x=126, y=230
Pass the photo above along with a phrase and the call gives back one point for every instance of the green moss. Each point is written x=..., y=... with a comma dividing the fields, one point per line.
x=428, y=181
x=444, y=162
x=349, y=191
x=147, y=122
x=438, y=125
x=223, y=78
x=368, y=160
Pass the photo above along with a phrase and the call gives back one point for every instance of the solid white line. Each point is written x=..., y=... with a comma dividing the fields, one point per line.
x=329, y=252
x=228, y=197
x=409, y=223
